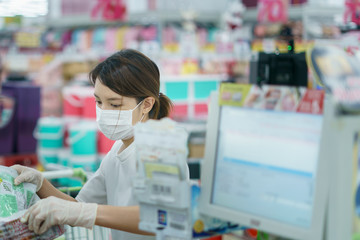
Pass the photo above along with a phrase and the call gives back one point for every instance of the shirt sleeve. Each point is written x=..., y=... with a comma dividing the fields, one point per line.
x=94, y=190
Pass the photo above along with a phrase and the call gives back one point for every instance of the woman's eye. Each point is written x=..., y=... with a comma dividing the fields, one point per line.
x=98, y=102
x=115, y=106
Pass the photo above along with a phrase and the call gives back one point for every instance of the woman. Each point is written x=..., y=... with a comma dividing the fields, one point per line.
x=127, y=92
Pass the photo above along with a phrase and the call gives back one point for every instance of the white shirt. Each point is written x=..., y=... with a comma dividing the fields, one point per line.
x=111, y=185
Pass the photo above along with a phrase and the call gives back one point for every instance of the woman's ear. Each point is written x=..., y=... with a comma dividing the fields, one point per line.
x=148, y=104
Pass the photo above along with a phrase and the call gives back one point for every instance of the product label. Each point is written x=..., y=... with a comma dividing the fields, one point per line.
x=162, y=217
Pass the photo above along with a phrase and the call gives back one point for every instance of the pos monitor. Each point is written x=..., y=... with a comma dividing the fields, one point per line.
x=265, y=169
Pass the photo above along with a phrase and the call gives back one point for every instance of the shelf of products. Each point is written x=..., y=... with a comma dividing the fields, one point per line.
x=151, y=17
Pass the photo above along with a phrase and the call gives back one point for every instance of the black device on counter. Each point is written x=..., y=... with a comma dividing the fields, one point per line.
x=289, y=69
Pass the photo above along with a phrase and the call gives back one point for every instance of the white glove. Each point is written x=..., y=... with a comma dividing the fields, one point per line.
x=55, y=211
x=29, y=175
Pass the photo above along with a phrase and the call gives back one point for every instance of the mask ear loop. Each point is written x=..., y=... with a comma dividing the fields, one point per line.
x=137, y=107
x=143, y=114
x=142, y=118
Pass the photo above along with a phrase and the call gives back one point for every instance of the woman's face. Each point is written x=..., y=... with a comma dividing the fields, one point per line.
x=106, y=99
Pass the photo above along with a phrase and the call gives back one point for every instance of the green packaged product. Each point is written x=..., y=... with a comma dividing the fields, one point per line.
x=14, y=201
x=14, y=198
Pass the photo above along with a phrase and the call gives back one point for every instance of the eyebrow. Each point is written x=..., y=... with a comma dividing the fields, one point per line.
x=109, y=99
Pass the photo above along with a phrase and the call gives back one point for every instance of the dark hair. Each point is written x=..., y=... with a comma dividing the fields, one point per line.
x=132, y=74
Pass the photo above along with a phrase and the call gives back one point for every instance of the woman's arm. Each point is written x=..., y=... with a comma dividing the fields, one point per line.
x=54, y=211
x=47, y=190
x=120, y=218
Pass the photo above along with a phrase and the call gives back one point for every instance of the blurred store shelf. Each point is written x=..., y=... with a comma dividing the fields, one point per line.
x=299, y=12
x=149, y=17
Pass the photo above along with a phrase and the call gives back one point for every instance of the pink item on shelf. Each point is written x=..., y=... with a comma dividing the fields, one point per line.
x=88, y=38
x=168, y=35
x=351, y=11
x=89, y=109
x=273, y=11
x=148, y=33
x=201, y=110
x=85, y=40
x=66, y=38
x=152, y=5
x=74, y=101
x=202, y=36
x=110, y=10
x=72, y=105
x=180, y=111
x=104, y=144
x=131, y=35
x=110, y=37
x=171, y=66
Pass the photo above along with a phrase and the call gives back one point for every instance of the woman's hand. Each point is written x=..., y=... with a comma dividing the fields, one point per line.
x=29, y=175
x=55, y=211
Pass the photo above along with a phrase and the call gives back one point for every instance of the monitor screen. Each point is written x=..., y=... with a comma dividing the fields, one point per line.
x=266, y=164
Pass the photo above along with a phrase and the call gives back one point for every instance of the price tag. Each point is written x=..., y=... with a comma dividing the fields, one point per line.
x=352, y=10
x=273, y=11
x=110, y=10
x=269, y=45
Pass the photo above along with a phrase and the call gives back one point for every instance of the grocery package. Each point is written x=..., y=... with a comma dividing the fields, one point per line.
x=14, y=200
x=161, y=150
x=11, y=228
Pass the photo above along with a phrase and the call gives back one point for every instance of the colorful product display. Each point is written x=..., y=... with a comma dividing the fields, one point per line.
x=277, y=98
x=191, y=95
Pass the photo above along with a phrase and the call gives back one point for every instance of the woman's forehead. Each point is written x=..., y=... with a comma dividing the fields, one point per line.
x=105, y=93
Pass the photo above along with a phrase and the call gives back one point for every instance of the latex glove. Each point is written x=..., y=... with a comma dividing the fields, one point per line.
x=55, y=211
x=29, y=175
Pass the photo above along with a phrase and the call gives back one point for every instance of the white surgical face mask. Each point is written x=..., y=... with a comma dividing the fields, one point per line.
x=116, y=124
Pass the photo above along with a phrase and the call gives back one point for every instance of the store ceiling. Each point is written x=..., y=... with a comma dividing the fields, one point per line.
x=27, y=8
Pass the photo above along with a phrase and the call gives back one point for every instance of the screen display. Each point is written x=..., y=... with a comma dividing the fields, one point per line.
x=266, y=163
x=356, y=185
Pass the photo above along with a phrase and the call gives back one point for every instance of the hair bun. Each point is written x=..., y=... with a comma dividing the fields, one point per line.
x=165, y=106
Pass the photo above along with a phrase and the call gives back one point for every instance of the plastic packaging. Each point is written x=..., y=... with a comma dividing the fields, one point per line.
x=11, y=228
x=14, y=200
x=161, y=150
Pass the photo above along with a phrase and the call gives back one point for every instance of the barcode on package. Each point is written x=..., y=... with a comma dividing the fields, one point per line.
x=161, y=190
x=177, y=226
